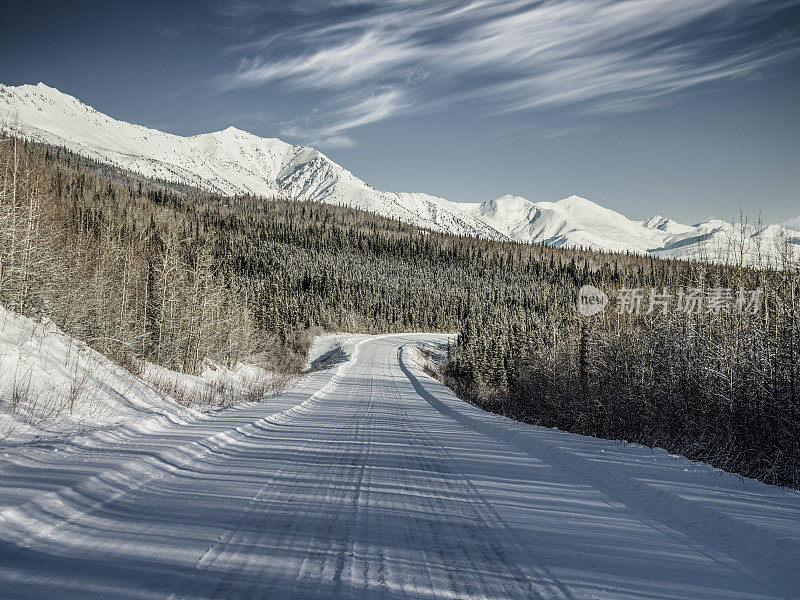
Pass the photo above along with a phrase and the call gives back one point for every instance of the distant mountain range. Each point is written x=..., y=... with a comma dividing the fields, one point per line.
x=236, y=162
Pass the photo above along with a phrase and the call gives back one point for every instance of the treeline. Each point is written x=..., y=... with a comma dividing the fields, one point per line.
x=711, y=371
x=145, y=269
x=111, y=266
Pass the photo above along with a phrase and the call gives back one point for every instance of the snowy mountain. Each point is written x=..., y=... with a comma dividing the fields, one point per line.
x=721, y=241
x=571, y=222
x=227, y=162
x=578, y=222
x=236, y=162
x=793, y=224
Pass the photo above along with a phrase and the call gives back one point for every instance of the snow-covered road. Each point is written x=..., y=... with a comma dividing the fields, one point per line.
x=371, y=480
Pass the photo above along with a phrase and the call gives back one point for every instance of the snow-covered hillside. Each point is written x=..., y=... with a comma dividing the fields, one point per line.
x=793, y=224
x=52, y=384
x=236, y=162
x=227, y=162
x=571, y=222
x=578, y=222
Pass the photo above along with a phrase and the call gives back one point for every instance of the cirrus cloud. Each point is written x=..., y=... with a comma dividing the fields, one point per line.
x=376, y=60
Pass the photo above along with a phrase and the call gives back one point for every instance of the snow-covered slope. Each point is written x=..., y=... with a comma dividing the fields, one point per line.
x=52, y=384
x=236, y=162
x=571, y=222
x=228, y=162
x=793, y=224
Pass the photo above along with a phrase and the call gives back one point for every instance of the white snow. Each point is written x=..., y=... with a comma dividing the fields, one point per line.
x=332, y=348
x=228, y=162
x=667, y=225
x=217, y=384
x=576, y=222
x=793, y=224
x=52, y=385
x=571, y=222
x=233, y=161
x=368, y=479
x=717, y=240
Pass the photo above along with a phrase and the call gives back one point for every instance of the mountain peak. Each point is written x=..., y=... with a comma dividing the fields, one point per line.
x=236, y=130
x=509, y=198
x=506, y=206
x=38, y=89
x=655, y=222
x=509, y=201
x=234, y=161
x=578, y=202
x=42, y=89
x=232, y=132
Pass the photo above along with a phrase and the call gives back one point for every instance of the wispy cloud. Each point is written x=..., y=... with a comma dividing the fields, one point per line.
x=506, y=55
x=362, y=111
x=368, y=57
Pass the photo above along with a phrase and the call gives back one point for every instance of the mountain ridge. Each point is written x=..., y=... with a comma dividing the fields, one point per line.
x=232, y=161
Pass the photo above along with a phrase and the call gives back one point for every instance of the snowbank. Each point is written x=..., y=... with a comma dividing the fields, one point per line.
x=332, y=348
x=53, y=385
x=217, y=385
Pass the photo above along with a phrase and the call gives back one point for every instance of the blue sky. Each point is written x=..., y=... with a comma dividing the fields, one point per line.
x=686, y=108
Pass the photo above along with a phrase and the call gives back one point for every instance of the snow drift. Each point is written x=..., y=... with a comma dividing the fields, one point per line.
x=52, y=384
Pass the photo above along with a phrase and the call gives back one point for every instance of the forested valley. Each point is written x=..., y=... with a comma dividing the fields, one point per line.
x=146, y=270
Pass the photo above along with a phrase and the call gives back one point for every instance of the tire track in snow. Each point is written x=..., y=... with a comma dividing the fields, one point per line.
x=124, y=480
x=237, y=546
x=542, y=582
